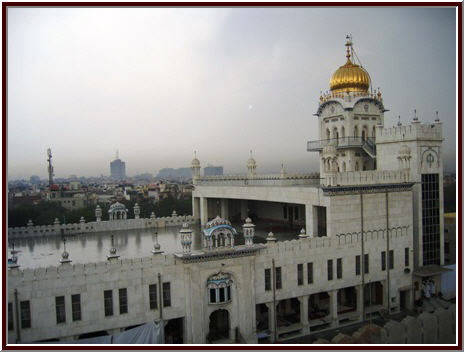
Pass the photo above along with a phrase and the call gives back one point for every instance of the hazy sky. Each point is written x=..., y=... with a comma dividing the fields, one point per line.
x=158, y=84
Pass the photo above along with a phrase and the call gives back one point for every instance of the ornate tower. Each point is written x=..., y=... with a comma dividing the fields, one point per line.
x=248, y=232
x=195, y=167
x=348, y=116
x=251, y=166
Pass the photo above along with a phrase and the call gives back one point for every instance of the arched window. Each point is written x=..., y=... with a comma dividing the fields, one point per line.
x=364, y=133
x=328, y=133
x=373, y=131
x=219, y=287
x=344, y=166
x=335, y=133
x=356, y=167
x=343, y=131
x=355, y=132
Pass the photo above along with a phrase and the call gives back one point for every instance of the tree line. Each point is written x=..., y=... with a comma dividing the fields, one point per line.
x=45, y=212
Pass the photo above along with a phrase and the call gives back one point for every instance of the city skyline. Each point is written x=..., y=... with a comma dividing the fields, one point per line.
x=218, y=81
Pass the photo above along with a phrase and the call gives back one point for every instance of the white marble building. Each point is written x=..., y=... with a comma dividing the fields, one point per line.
x=372, y=229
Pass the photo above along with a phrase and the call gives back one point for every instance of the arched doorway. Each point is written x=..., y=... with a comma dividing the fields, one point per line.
x=218, y=325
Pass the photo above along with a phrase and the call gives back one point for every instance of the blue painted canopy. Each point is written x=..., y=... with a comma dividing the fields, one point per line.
x=208, y=232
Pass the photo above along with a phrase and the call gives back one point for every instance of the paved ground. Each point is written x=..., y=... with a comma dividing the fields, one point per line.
x=330, y=334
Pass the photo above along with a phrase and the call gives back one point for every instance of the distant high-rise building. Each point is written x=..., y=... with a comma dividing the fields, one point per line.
x=211, y=170
x=179, y=174
x=34, y=179
x=118, y=168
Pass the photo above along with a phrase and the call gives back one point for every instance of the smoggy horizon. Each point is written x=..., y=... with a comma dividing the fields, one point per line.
x=159, y=83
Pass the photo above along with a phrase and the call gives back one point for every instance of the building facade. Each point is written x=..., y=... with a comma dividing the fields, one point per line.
x=368, y=229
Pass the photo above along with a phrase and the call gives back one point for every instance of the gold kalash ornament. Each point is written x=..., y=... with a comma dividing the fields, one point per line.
x=350, y=77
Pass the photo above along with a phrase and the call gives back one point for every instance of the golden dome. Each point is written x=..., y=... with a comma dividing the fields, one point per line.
x=350, y=77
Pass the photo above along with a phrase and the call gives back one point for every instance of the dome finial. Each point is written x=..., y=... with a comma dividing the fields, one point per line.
x=348, y=44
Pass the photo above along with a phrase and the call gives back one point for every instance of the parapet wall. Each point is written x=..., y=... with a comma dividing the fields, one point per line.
x=370, y=177
x=371, y=237
x=99, y=268
x=260, y=180
x=413, y=131
x=99, y=226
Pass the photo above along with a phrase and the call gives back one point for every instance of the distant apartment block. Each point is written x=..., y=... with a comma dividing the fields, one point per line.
x=211, y=170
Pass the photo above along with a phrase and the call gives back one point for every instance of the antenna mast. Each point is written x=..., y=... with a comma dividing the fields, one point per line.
x=50, y=167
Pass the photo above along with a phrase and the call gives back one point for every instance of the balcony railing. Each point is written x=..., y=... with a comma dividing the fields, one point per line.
x=343, y=142
x=303, y=179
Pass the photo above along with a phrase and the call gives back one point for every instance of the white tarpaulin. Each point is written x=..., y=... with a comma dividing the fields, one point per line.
x=448, y=282
x=150, y=333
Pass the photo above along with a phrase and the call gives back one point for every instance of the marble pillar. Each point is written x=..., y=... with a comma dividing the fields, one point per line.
x=243, y=209
x=304, y=315
x=334, y=308
x=225, y=209
x=203, y=211
x=271, y=321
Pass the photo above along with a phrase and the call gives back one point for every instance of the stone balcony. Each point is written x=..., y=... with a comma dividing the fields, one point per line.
x=368, y=144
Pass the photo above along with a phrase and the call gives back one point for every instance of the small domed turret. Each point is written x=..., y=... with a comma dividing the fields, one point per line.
x=251, y=165
x=195, y=167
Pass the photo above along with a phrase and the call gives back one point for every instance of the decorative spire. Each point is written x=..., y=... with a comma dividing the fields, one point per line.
x=248, y=231
x=303, y=234
x=436, y=118
x=65, y=254
x=113, y=250
x=399, y=120
x=156, y=246
x=282, y=171
x=186, y=238
x=270, y=237
x=348, y=45
x=415, y=119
